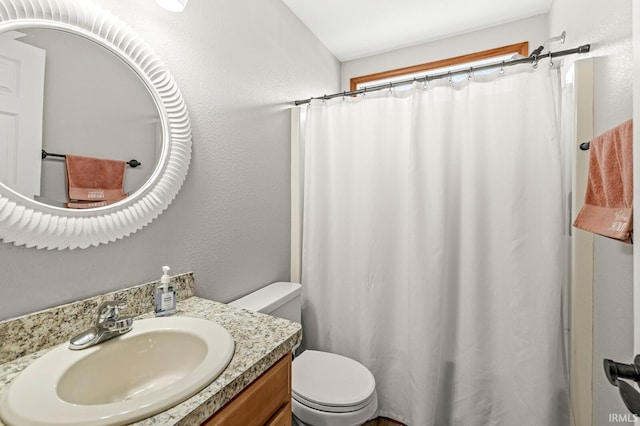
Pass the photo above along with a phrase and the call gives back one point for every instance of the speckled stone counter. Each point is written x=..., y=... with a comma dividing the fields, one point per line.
x=41, y=330
x=260, y=341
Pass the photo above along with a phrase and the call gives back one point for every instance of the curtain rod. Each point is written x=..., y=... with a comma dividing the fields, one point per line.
x=533, y=58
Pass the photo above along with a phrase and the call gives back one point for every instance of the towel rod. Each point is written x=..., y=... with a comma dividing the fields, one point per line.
x=45, y=154
x=585, y=146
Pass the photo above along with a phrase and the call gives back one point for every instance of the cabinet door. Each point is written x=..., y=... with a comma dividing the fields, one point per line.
x=264, y=402
x=282, y=417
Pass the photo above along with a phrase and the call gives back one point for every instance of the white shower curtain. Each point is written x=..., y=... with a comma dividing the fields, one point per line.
x=432, y=247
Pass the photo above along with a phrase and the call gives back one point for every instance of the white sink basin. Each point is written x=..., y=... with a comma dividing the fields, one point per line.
x=158, y=364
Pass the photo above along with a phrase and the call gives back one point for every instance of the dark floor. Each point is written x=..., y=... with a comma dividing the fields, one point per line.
x=382, y=421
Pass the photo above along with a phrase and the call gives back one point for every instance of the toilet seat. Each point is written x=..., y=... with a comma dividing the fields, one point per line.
x=331, y=383
x=306, y=416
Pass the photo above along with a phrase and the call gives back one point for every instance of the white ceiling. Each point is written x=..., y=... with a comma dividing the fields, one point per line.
x=353, y=29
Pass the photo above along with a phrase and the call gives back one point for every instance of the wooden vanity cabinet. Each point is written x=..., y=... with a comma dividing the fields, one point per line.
x=265, y=402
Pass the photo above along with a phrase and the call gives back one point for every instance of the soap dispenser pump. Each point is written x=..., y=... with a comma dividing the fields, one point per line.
x=165, y=296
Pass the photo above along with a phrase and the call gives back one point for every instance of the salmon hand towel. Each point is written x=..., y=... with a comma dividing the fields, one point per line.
x=608, y=202
x=94, y=179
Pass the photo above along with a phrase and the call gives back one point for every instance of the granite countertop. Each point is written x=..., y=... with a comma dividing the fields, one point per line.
x=260, y=341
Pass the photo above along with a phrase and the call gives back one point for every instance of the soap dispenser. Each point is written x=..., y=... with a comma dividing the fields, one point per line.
x=165, y=296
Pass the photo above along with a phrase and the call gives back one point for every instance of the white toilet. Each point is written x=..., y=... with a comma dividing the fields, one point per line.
x=327, y=389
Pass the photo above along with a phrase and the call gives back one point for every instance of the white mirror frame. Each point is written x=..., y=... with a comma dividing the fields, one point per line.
x=25, y=222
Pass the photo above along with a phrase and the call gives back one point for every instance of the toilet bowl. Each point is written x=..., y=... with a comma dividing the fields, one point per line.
x=327, y=389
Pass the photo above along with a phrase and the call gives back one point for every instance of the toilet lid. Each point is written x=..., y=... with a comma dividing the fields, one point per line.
x=331, y=382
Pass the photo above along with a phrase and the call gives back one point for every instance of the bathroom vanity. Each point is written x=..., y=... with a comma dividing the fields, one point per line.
x=254, y=389
x=266, y=401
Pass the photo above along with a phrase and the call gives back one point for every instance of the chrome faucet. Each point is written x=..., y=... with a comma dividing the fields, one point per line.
x=108, y=325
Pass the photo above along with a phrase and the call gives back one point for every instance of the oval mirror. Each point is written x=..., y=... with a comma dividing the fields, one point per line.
x=101, y=108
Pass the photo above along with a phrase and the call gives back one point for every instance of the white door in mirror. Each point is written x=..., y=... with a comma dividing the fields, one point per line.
x=21, y=100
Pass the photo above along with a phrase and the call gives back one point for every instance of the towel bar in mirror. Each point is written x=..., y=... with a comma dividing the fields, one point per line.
x=133, y=163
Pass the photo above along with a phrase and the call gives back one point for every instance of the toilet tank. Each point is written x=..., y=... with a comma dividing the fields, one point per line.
x=281, y=299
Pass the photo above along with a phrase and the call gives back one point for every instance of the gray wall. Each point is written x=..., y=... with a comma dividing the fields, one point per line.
x=238, y=64
x=607, y=27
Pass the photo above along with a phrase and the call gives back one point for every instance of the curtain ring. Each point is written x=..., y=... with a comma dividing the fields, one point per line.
x=344, y=96
x=550, y=59
x=470, y=73
x=502, y=68
x=450, y=81
x=390, y=87
x=535, y=61
x=426, y=82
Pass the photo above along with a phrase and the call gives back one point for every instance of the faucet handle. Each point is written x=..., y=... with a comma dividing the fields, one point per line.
x=109, y=310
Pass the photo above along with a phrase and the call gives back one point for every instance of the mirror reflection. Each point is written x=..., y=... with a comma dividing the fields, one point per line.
x=66, y=95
